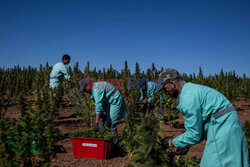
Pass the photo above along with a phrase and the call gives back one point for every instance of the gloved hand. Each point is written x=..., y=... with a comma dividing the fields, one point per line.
x=165, y=143
x=181, y=151
x=96, y=127
x=178, y=151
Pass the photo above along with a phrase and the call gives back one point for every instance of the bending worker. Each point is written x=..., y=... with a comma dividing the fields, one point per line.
x=147, y=91
x=59, y=72
x=109, y=104
x=208, y=115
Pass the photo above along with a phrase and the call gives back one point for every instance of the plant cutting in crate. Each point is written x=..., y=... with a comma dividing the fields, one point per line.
x=91, y=144
x=103, y=133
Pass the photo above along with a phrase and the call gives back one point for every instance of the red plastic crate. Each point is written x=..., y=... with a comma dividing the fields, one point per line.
x=91, y=148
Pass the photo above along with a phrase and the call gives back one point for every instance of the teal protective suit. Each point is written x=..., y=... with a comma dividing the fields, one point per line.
x=58, y=73
x=108, y=98
x=149, y=92
x=225, y=140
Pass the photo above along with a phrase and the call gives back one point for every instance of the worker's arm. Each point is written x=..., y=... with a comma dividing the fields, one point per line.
x=97, y=118
x=150, y=93
x=149, y=100
x=142, y=95
x=64, y=71
x=98, y=95
x=191, y=111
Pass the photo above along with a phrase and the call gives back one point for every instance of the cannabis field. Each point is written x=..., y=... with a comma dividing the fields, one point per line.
x=36, y=123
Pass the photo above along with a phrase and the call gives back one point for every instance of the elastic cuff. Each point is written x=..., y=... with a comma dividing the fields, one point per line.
x=98, y=112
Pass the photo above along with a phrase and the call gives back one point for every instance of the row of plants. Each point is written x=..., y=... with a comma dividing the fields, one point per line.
x=21, y=80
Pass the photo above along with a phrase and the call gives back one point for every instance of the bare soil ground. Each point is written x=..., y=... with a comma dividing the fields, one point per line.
x=68, y=122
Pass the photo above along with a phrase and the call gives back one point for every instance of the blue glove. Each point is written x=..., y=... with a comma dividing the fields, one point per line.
x=165, y=143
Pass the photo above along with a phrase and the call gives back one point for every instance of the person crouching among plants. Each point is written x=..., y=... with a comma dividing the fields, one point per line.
x=147, y=91
x=110, y=106
x=208, y=115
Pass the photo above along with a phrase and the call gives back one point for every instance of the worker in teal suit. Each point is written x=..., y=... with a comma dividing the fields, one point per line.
x=148, y=90
x=208, y=115
x=109, y=104
x=59, y=72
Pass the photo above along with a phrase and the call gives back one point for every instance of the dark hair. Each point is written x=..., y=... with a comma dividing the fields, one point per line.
x=66, y=57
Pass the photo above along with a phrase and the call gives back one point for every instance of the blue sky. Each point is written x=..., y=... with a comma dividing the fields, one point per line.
x=181, y=34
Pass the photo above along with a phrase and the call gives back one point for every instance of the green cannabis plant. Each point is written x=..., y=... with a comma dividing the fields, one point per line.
x=150, y=151
x=103, y=133
x=84, y=106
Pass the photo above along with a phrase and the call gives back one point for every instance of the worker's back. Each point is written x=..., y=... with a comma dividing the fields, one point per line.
x=208, y=99
x=58, y=73
x=108, y=98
